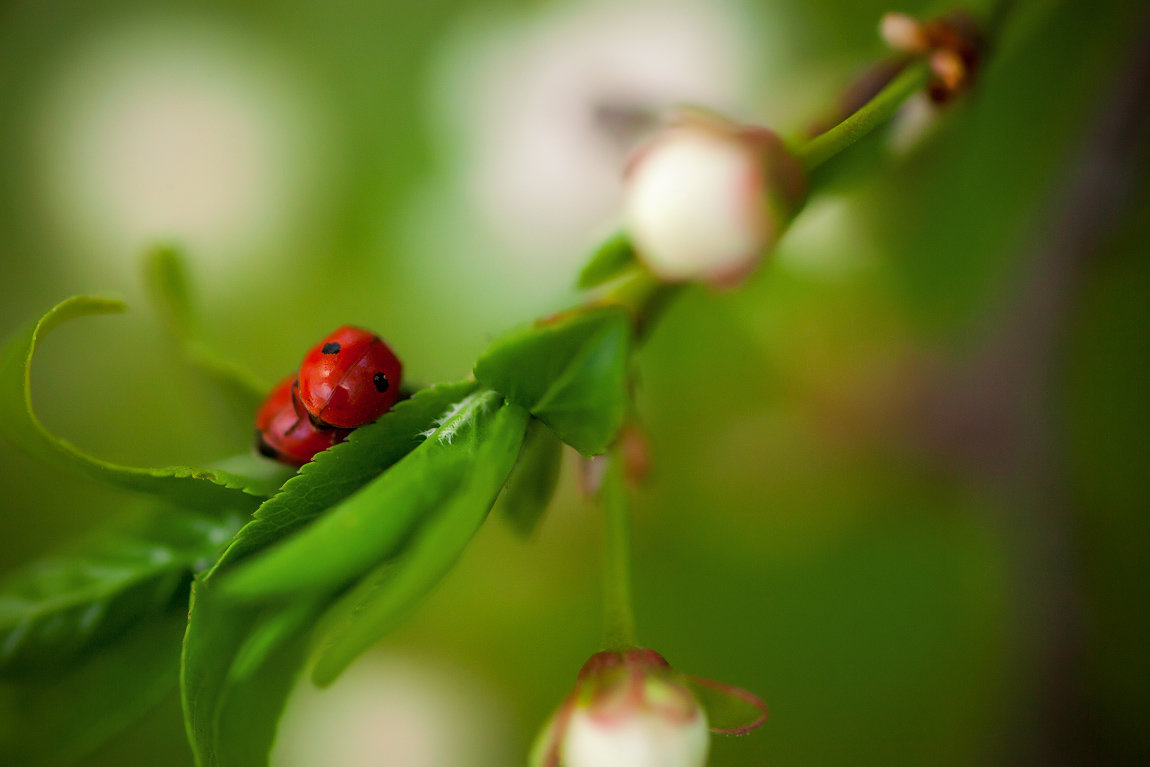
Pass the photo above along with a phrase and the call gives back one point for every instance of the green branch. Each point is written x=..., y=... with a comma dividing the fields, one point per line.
x=874, y=113
x=618, y=615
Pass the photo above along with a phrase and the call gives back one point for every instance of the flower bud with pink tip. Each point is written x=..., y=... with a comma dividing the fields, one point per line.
x=632, y=709
x=706, y=198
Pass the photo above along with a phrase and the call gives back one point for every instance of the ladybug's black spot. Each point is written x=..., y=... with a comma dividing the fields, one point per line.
x=381, y=382
x=331, y=347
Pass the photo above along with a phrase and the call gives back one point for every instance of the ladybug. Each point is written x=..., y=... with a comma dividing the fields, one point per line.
x=284, y=431
x=349, y=379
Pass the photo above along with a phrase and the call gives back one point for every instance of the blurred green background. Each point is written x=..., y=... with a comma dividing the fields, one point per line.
x=899, y=478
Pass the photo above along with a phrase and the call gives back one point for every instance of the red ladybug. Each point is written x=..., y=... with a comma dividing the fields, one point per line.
x=349, y=379
x=284, y=431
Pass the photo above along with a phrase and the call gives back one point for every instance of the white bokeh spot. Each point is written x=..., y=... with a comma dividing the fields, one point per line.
x=396, y=711
x=177, y=131
x=534, y=117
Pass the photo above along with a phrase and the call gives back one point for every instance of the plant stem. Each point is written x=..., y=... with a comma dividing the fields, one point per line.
x=874, y=113
x=618, y=615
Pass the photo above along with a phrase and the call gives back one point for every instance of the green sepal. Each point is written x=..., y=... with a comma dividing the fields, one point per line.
x=613, y=257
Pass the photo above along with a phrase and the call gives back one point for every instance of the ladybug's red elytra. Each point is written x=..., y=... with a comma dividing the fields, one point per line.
x=349, y=379
x=285, y=432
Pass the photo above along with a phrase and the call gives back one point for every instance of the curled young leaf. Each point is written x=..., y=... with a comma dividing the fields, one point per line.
x=183, y=485
x=570, y=372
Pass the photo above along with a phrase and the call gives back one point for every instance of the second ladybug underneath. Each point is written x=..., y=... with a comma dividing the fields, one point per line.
x=347, y=380
x=285, y=433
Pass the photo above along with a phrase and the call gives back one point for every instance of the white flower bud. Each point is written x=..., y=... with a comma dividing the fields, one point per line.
x=639, y=736
x=705, y=199
x=628, y=709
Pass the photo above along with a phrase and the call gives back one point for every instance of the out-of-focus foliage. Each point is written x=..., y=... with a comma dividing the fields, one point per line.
x=37, y=709
x=99, y=587
x=798, y=536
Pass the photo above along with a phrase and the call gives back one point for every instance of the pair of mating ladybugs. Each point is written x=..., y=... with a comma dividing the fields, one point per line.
x=347, y=380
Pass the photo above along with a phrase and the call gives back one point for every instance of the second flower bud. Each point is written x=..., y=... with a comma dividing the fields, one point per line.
x=706, y=198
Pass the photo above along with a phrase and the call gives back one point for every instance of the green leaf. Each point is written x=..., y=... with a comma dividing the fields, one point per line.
x=57, y=719
x=268, y=471
x=59, y=606
x=187, y=486
x=569, y=372
x=239, y=665
x=531, y=485
x=372, y=525
x=240, y=659
x=389, y=594
x=610, y=260
x=341, y=470
x=274, y=628
x=166, y=279
x=239, y=662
